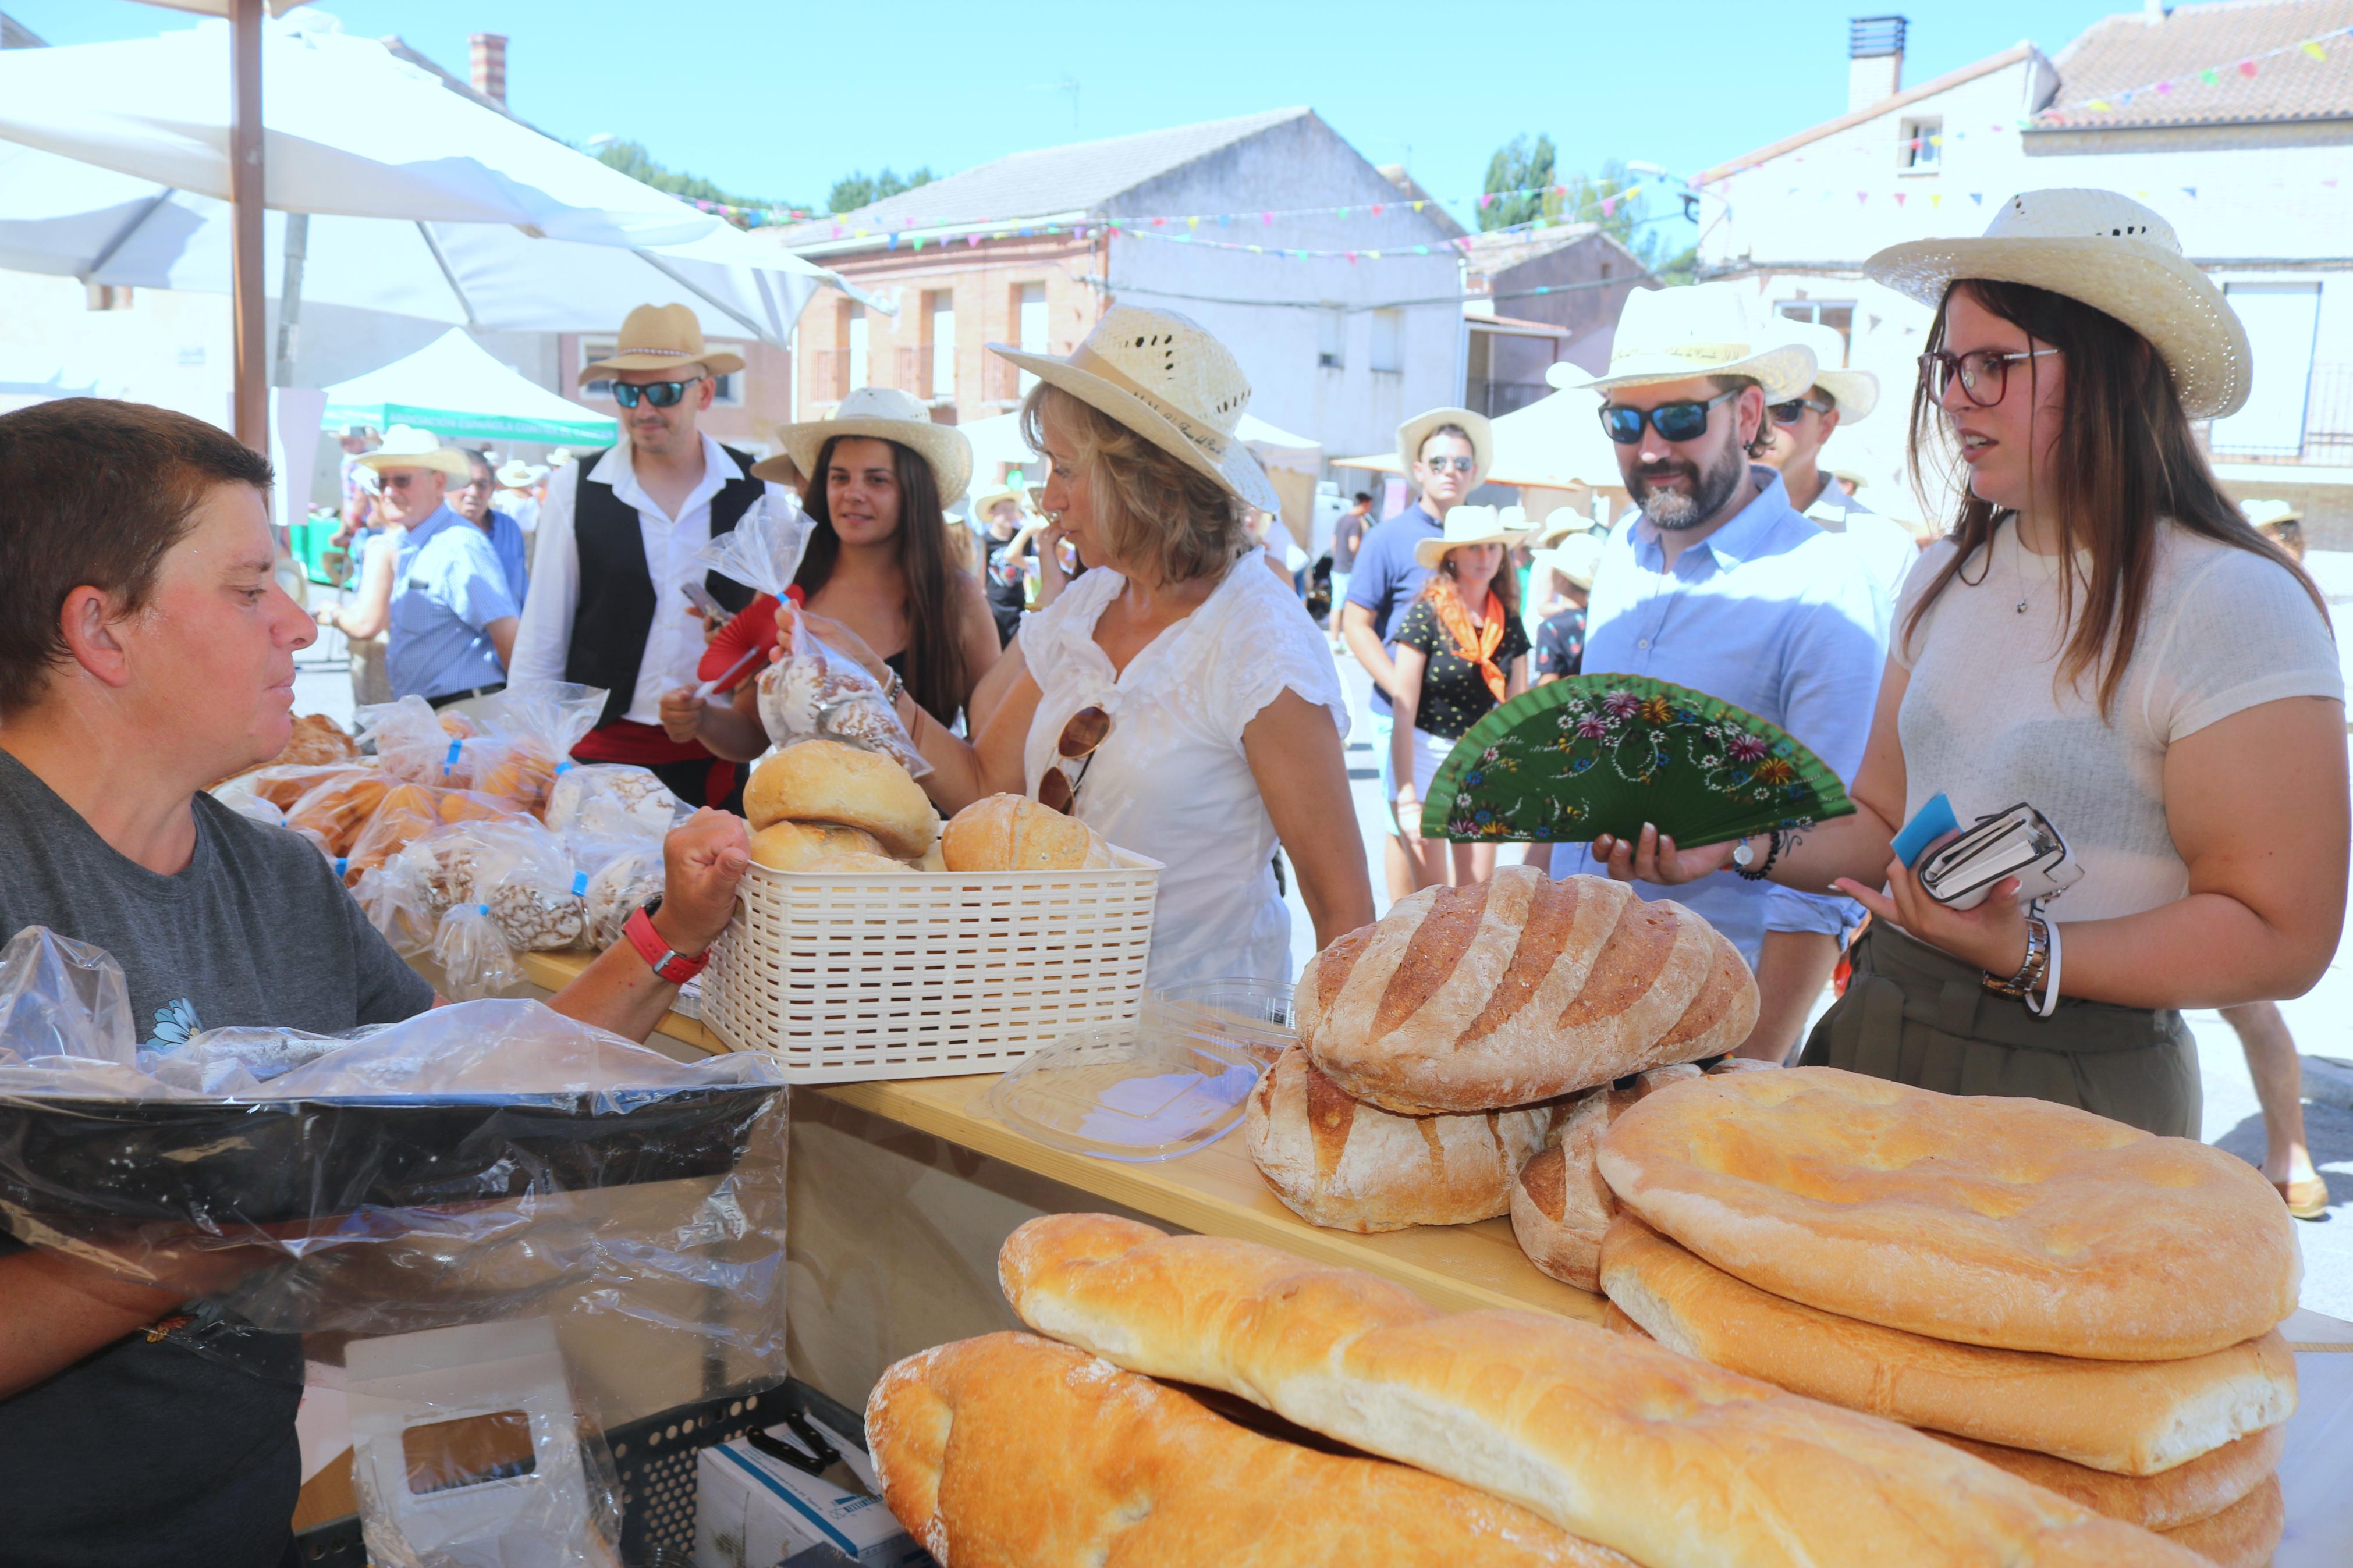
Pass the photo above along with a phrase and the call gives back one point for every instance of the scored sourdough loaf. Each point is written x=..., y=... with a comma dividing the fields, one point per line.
x=1517, y=990
x=2012, y=1223
x=2133, y=1417
x=2244, y=1535
x=1014, y=833
x=1015, y=1451
x=1560, y=1204
x=824, y=781
x=2182, y=1495
x=1341, y=1163
x=1668, y=1459
x=791, y=846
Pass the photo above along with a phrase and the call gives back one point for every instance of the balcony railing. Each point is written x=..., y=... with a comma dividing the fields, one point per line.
x=2327, y=439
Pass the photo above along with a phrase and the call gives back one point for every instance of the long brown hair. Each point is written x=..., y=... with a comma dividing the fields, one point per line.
x=1444, y=579
x=2125, y=458
x=938, y=676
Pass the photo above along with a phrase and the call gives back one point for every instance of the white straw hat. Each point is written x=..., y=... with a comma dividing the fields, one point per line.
x=406, y=447
x=1467, y=525
x=2106, y=251
x=985, y=500
x=1856, y=392
x=2269, y=513
x=662, y=337
x=885, y=413
x=517, y=474
x=1165, y=377
x=1577, y=558
x=1679, y=334
x=1421, y=426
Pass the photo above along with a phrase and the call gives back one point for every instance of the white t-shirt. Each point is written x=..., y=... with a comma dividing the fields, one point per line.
x=1985, y=720
x=1170, y=779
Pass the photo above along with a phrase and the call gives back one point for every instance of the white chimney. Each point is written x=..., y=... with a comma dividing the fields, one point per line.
x=489, y=51
x=1874, y=60
x=2153, y=11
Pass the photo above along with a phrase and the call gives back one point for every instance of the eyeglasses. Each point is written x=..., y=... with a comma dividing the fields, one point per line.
x=1984, y=373
x=1685, y=421
x=1790, y=413
x=1460, y=464
x=1080, y=737
x=661, y=394
x=398, y=482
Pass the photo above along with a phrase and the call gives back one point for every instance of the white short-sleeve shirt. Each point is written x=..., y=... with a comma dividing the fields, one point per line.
x=1171, y=780
x=1985, y=719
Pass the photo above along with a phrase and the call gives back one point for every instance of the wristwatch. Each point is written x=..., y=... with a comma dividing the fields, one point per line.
x=664, y=960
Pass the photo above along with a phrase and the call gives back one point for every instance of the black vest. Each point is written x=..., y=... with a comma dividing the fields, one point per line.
x=617, y=605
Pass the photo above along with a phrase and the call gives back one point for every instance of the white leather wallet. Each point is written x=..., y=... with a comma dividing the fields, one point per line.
x=2018, y=842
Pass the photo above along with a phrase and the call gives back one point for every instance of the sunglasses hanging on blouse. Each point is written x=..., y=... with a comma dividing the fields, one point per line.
x=1081, y=738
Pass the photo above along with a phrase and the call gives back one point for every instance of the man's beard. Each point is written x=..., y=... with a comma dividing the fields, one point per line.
x=1675, y=511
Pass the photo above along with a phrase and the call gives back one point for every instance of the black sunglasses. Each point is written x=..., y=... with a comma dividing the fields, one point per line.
x=1790, y=413
x=1685, y=421
x=661, y=394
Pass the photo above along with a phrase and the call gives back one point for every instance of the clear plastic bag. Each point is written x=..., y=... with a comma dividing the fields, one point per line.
x=621, y=884
x=764, y=549
x=331, y=813
x=524, y=874
x=413, y=742
x=472, y=954
x=612, y=800
x=817, y=693
x=529, y=730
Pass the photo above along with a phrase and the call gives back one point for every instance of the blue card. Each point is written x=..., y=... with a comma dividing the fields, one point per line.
x=1934, y=820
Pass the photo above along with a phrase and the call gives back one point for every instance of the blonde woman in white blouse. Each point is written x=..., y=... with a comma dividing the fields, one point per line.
x=2105, y=638
x=1175, y=698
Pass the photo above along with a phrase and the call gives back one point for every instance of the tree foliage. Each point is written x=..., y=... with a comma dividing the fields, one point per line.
x=632, y=159
x=862, y=189
x=1518, y=167
x=1636, y=222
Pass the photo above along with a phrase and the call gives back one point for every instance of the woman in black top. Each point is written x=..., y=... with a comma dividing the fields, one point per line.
x=1461, y=651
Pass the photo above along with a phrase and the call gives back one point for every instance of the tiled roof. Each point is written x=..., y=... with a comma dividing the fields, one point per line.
x=2121, y=55
x=1077, y=178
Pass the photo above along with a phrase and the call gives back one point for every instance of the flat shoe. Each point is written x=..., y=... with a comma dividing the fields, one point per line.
x=2305, y=1199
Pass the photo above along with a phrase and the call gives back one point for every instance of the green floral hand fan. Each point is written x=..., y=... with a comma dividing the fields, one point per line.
x=1574, y=758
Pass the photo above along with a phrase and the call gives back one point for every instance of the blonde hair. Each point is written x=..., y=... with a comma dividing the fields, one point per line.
x=1158, y=512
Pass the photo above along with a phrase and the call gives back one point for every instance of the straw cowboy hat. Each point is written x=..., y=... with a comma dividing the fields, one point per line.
x=1856, y=392
x=1678, y=334
x=2269, y=513
x=662, y=337
x=1468, y=525
x=1576, y=558
x=1859, y=480
x=1559, y=523
x=2106, y=251
x=517, y=474
x=986, y=498
x=1165, y=377
x=1421, y=426
x=885, y=413
x=406, y=447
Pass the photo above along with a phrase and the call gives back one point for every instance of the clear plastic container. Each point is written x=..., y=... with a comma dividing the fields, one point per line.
x=1134, y=1091
x=1253, y=1014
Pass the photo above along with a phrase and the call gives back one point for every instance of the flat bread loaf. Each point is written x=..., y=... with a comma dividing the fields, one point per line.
x=2012, y=1223
x=2244, y=1535
x=1560, y=1204
x=2182, y=1495
x=1339, y=1163
x=826, y=780
x=1014, y=833
x=1668, y=1459
x=1011, y=1451
x=2133, y=1417
x=791, y=846
x=1521, y=989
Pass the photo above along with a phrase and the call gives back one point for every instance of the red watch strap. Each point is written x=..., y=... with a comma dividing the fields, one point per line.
x=660, y=957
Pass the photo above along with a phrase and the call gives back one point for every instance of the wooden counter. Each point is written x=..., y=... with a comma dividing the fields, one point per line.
x=1214, y=1191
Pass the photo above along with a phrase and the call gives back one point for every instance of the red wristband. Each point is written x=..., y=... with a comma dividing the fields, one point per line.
x=664, y=960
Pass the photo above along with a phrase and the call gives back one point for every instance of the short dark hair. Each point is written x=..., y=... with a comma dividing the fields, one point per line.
x=93, y=493
x=1364, y=499
x=1763, y=440
x=1456, y=431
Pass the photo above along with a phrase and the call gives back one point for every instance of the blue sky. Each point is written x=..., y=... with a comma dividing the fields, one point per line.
x=779, y=100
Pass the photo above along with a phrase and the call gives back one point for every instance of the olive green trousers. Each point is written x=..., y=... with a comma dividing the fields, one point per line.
x=1914, y=1014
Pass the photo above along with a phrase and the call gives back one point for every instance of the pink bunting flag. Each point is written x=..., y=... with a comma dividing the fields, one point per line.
x=1486, y=199
x=1899, y=198
x=2246, y=67
x=1610, y=207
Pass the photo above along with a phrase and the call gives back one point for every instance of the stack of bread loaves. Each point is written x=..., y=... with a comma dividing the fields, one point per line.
x=823, y=807
x=2078, y=1302
x=1487, y=1437
x=1437, y=1048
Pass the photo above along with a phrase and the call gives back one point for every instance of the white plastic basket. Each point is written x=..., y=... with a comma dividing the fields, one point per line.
x=927, y=975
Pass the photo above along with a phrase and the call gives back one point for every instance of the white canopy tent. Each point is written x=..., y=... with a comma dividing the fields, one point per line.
x=454, y=388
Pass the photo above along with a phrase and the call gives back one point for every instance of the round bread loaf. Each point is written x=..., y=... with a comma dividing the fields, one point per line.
x=2136, y=1418
x=2182, y=1495
x=824, y=781
x=1014, y=833
x=1338, y=1162
x=791, y=846
x=2015, y=1223
x=2244, y=1535
x=1521, y=989
x=1560, y=1204
x=856, y=863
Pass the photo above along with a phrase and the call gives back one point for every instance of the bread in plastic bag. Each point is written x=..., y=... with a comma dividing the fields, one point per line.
x=334, y=809
x=529, y=730
x=612, y=800
x=815, y=693
x=413, y=742
x=524, y=875
x=473, y=956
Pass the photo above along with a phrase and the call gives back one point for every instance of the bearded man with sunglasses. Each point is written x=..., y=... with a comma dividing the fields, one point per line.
x=1721, y=584
x=619, y=532
x=1796, y=429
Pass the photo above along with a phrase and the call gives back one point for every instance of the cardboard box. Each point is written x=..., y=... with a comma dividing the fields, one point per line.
x=753, y=1511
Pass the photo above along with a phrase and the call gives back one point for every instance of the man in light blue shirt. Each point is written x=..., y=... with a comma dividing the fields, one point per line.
x=1721, y=586
x=453, y=616
x=505, y=534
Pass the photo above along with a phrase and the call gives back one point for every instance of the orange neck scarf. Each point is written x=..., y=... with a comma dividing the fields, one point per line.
x=1475, y=644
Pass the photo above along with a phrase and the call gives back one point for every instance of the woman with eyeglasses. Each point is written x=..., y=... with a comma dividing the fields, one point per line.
x=1175, y=698
x=1462, y=650
x=2103, y=638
